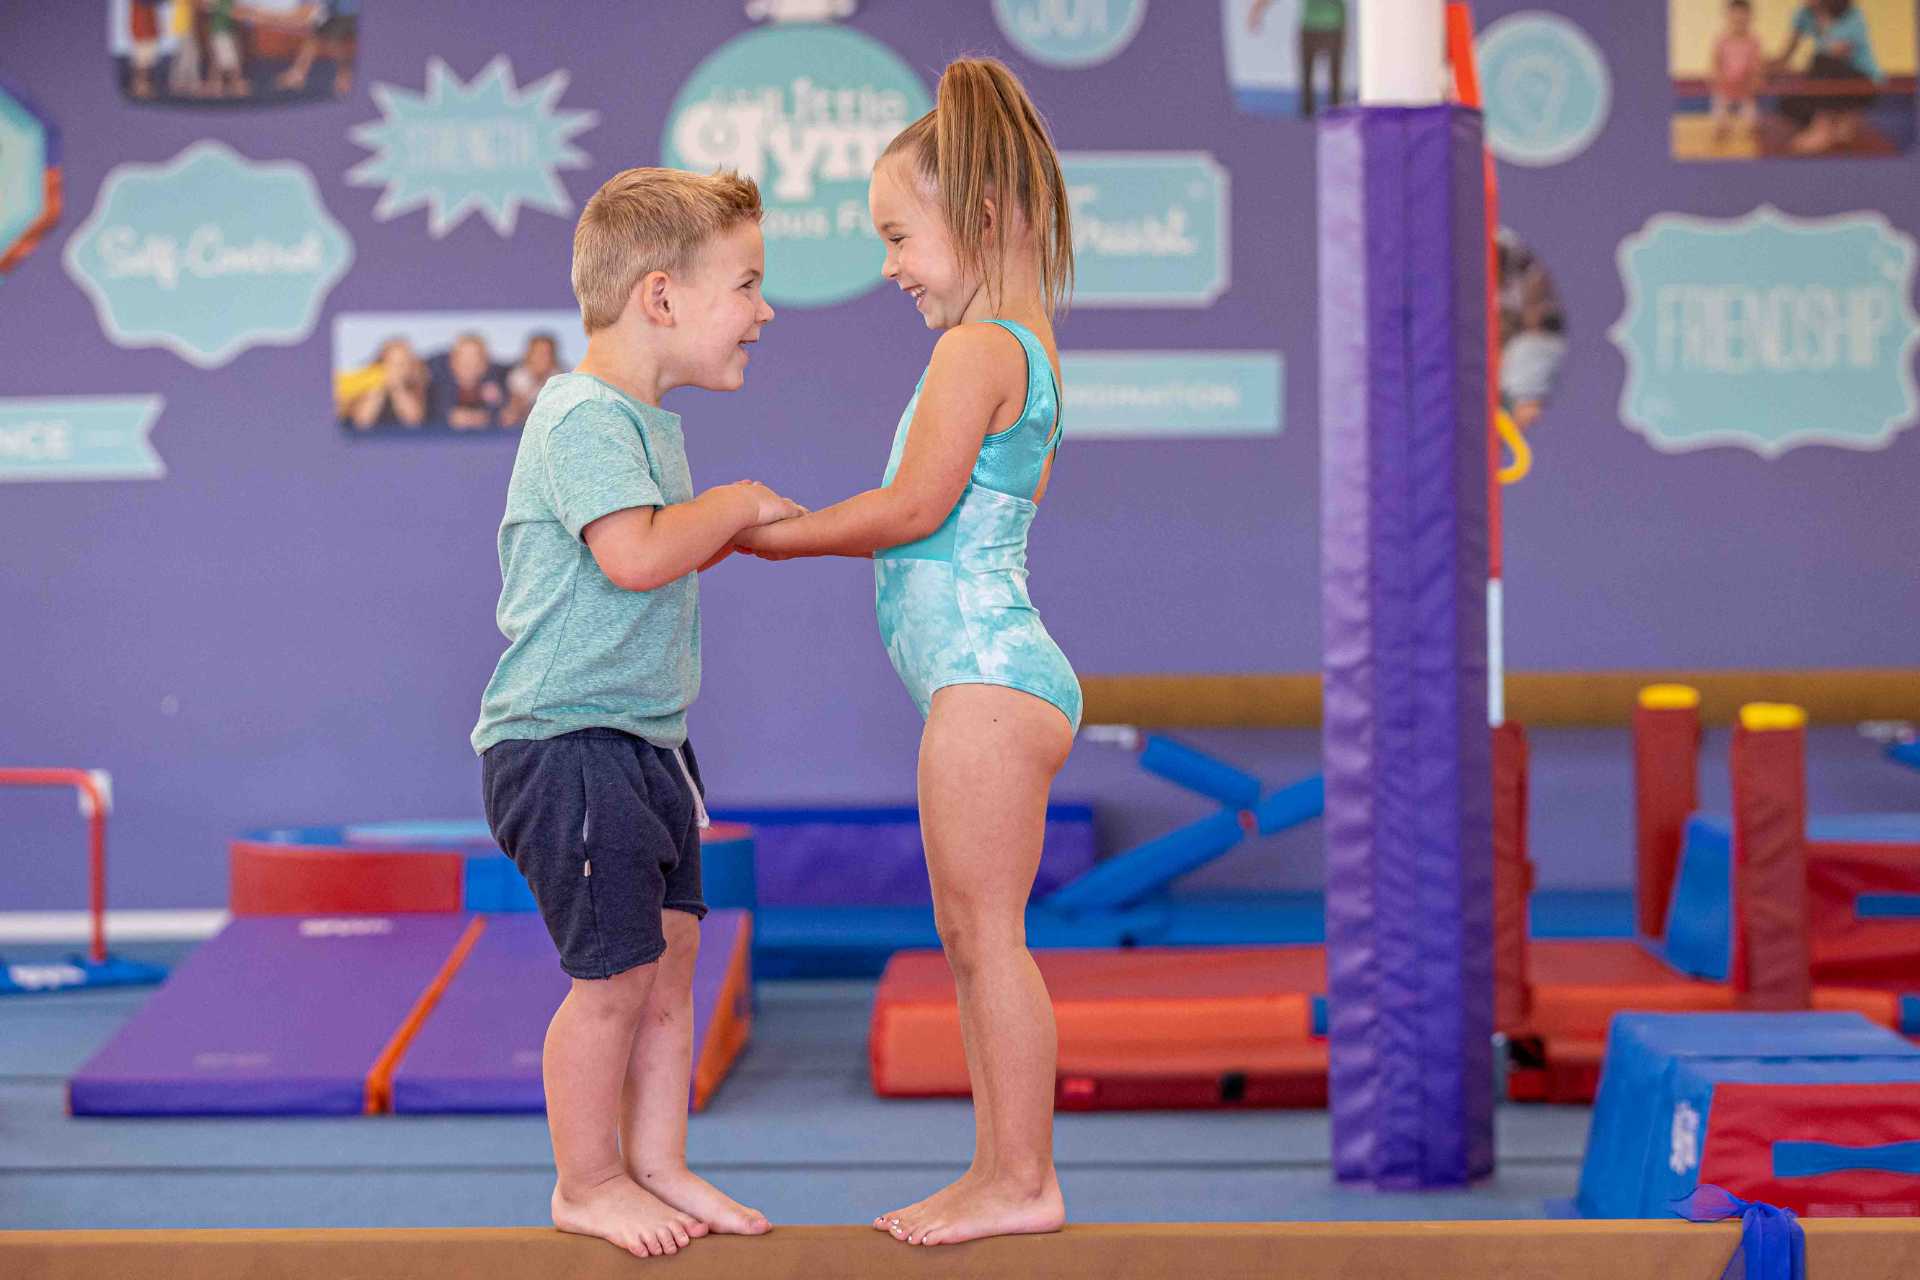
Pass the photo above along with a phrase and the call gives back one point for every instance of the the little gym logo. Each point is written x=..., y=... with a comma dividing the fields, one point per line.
x=804, y=111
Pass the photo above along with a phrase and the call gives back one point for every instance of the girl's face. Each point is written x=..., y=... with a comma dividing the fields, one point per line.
x=920, y=257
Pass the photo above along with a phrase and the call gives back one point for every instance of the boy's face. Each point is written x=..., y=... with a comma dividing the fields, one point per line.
x=920, y=257
x=720, y=309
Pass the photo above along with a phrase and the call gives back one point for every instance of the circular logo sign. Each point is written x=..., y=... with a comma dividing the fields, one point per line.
x=1070, y=33
x=803, y=111
x=1545, y=88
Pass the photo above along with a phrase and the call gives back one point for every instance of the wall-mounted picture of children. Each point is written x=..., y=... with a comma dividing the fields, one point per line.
x=1782, y=79
x=228, y=53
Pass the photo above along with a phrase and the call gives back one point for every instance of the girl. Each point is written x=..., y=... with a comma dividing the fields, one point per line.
x=973, y=210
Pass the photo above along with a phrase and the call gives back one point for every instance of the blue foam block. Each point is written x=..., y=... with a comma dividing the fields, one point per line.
x=1655, y=1062
x=1199, y=772
x=1906, y=753
x=1290, y=806
x=1699, y=937
x=1126, y=878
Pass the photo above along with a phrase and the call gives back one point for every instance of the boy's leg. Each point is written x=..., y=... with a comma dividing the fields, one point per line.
x=653, y=1118
x=987, y=760
x=653, y=1112
x=585, y=1056
x=563, y=810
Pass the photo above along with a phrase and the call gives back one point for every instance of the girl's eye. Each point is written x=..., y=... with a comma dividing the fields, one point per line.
x=895, y=239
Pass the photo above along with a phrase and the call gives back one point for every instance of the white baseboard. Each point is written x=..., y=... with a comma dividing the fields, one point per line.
x=21, y=927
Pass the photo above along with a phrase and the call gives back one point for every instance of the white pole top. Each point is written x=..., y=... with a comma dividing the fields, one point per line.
x=1402, y=52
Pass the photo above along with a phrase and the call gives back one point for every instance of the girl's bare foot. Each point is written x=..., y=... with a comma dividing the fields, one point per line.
x=620, y=1212
x=711, y=1207
x=987, y=1208
x=887, y=1221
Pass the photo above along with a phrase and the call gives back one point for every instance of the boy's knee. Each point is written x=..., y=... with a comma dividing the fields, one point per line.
x=621, y=995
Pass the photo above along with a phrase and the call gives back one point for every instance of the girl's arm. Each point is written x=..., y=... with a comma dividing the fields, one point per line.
x=976, y=371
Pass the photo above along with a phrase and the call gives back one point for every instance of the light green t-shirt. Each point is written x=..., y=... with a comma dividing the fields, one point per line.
x=1323, y=15
x=581, y=652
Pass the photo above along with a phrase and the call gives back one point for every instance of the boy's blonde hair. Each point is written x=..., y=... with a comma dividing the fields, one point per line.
x=645, y=220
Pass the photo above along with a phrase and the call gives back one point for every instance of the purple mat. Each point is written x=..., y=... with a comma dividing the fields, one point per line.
x=480, y=1049
x=278, y=1015
x=842, y=857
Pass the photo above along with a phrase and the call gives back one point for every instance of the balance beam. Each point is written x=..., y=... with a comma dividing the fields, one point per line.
x=1837, y=1249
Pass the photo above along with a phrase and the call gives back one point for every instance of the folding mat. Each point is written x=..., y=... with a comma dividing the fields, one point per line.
x=480, y=1050
x=1144, y=1027
x=341, y=1015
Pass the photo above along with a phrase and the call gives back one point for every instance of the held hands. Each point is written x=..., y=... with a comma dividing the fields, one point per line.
x=771, y=510
x=768, y=506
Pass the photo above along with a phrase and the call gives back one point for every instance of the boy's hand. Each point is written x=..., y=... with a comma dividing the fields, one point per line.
x=768, y=506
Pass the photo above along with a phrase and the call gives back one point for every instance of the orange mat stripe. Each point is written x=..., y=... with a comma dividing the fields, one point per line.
x=380, y=1078
x=732, y=1020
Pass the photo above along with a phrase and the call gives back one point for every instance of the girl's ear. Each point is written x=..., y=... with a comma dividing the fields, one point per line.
x=992, y=219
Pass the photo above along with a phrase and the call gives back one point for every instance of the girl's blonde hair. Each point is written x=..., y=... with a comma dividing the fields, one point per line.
x=985, y=140
x=644, y=220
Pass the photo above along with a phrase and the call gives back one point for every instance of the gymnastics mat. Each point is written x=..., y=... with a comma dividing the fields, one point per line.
x=1577, y=987
x=1145, y=1027
x=480, y=1050
x=278, y=1015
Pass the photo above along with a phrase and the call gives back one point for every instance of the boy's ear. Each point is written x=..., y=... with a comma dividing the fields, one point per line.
x=653, y=296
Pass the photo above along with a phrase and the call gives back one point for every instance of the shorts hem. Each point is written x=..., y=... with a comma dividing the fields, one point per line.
x=698, y=910
x=614, y=971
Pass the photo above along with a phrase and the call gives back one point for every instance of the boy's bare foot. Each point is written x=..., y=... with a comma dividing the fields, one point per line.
x=711, y=1207
x=621, y=1213
x=887, y=1221
x=987, y=1208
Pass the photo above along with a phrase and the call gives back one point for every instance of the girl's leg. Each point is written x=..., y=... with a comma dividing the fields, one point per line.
x=987, y=760
x=653, y=1104
x=588, y=1043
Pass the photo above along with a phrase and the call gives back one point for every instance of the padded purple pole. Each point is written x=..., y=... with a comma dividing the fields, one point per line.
x=1404, y=569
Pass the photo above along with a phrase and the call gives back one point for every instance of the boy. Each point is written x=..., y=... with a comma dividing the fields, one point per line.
x=589, y=785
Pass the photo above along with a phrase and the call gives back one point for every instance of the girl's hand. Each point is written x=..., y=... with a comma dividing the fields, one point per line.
x=764, y=542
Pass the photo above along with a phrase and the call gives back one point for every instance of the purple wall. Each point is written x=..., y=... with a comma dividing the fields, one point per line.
x=295, y=627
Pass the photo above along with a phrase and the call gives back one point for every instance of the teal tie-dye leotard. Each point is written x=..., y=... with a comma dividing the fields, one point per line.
x=953, y=606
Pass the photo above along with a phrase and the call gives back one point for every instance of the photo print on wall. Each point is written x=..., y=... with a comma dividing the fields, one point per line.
x=1785, y=79
x=261, y=53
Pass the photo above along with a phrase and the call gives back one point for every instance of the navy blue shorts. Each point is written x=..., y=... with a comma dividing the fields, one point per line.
x=603, y=826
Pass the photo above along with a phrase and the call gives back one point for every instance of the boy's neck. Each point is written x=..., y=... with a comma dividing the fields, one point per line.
x=624, y=365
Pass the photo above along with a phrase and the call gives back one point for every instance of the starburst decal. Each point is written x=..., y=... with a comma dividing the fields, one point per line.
x=484, y=145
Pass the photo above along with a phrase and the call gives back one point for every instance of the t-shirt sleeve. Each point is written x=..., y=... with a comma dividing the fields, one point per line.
x=1804, y=23
x=597, y=464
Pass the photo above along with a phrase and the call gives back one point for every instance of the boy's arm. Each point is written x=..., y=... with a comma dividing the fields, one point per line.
x=968, y=382
x=644, y=548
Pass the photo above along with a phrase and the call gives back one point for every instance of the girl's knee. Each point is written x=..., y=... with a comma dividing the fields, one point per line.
x=972, y=940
